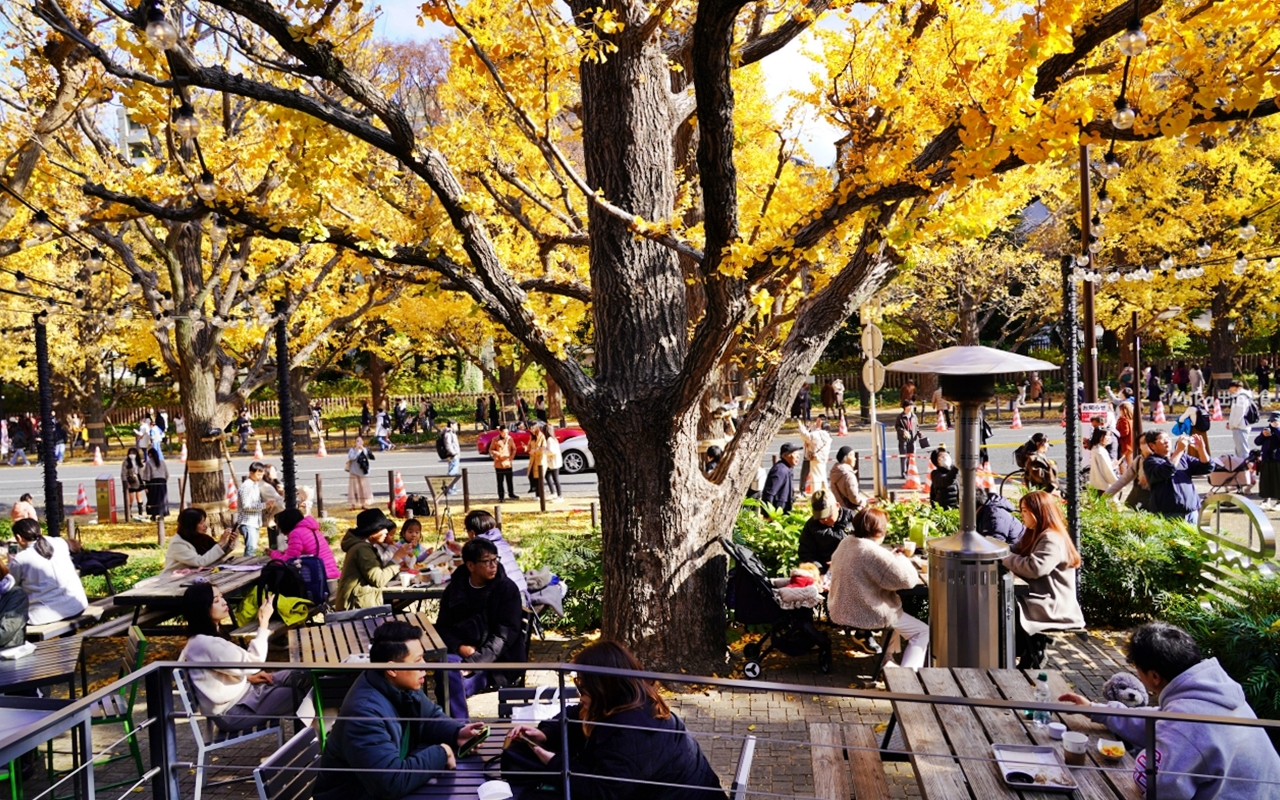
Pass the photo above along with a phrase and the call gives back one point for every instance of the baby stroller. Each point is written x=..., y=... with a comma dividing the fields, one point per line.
x=1235, y=475
x=755, y=601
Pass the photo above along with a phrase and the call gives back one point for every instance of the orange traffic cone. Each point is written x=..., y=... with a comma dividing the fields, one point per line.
x=183, y=455
x=1062, y=421
x=1158, y=415
x=398, y=491
x=941, y=427
x=257, y=449
x=1217, y=411
x=82, y=502
x=232, y=495
x=1017, y=420
x=985, y=475
x=844, y=428
x=928, y=484
x=97, y=456
x=913, y=475
x=808, y=483
x=321, y=452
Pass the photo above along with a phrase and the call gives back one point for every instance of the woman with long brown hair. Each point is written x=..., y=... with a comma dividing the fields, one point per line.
x=624, y=741
x=193, y=547
x=1048, y=561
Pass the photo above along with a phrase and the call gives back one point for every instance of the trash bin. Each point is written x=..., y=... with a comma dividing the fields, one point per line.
x=105, y=488
x=970, y=602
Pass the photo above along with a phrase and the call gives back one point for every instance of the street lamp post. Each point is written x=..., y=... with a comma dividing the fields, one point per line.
x=1071, y=401
x=1086, y=233
x=287, y=464
x=53, y=510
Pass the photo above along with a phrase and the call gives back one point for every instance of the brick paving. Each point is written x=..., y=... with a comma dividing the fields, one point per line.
x=720, y=718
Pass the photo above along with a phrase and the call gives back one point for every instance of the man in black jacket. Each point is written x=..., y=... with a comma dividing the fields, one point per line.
x=825, y=530
x=777, y=490
x=480, y=621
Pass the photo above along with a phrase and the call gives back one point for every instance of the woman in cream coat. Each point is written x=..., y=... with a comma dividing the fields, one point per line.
x=865, y=579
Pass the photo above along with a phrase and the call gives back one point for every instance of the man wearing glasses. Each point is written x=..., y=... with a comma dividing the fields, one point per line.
x=480, y=621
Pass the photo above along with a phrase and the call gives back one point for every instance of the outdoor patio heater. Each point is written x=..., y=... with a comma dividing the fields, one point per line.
x=970, y=603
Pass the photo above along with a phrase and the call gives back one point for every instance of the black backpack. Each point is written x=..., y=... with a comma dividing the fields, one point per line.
x=1203, y=422
x=441, y=449
x=284, y=579
x=1251, y=413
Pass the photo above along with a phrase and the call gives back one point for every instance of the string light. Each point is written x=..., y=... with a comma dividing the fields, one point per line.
x=1167, y=262
x=206, y=190
x=1133, y=42
x=1124, y=116
x=94, y=261
x=20, y=282
x=1241, y=263
x=1105, y=203
x=1099, y=227
x=1203, y=249
x=1110, y=168
x=1082, y=260
x=185, y=122
x=1246, y=231
x=161, y=33
x=40, y=224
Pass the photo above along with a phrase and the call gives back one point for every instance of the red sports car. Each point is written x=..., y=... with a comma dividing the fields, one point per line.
x=522, y=439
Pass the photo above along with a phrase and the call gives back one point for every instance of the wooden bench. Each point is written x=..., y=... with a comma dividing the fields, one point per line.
x=846, y=762
x=66, y=627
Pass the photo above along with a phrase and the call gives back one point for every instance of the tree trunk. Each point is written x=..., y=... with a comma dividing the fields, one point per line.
x=555, y=407
x=205, y=417
x=1222, y=342
x=95, y=417
x=661, y=519
x=507, y=380
x=377, y=382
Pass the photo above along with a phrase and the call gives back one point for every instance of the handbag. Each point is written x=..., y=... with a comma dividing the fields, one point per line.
x=924, y=441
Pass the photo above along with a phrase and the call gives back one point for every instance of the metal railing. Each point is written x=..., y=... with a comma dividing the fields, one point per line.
x=1234, y=552
x=165, y=763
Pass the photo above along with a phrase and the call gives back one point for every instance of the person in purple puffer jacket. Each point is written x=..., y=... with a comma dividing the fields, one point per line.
x=305, y=539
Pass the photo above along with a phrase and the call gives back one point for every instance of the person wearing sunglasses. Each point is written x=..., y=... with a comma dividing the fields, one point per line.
x=480, y=620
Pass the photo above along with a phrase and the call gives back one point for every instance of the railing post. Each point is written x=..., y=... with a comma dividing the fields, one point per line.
x=319, y=497
x=1151, y=758
x=162, y=741
x=466, y=491
x=564, y=736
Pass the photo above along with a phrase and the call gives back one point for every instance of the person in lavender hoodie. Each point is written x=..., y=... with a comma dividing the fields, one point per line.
x=1194, y=760
x=305, y=539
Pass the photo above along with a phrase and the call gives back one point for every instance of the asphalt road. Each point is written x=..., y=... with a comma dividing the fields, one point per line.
x=417, y=464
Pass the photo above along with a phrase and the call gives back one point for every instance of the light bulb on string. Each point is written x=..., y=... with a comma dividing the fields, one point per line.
x=218, y=231
x=206, y=190
x=80, y=298
x=1124, y=116
x=1199, y=272
x=1167, y=262
x=1271, y=264
x=1094, y=244
x=1110, y=168
x=1133, y=42
x=166, y=301
x=1246, y=231
x=1240, y=264
x=126, y=313
x=161, y=33
x=20, y=282
x=40, y=224
x=51, y=306
x=1099, y=227
x=1082, y=260
x=1105, y=203
x=94, y=261
x=185, y=122
x=1203, y=249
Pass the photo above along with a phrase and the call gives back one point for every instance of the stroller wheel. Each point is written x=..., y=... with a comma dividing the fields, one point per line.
x=751, y=669
x=752, y=651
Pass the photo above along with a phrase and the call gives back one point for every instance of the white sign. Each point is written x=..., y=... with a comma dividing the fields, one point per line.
x=1090, y=410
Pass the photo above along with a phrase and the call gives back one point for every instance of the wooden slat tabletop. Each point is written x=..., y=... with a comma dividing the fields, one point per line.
x=463, y=782
x=54, y=661
x=969, y=733
x=166, y=589
x=333, y=642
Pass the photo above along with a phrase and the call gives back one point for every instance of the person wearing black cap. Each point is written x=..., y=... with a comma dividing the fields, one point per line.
x=825, y=530
x=844, y=480
x=777, y=486
x=363, y=575
x=1269, y=465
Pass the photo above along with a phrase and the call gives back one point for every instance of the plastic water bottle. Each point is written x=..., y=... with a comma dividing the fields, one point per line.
x=1040, y=717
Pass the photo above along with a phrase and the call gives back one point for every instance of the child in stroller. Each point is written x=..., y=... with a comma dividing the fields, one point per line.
x=787, y=609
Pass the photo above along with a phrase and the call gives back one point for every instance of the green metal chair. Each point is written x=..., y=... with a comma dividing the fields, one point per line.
x=117, y=709
x=12, y=772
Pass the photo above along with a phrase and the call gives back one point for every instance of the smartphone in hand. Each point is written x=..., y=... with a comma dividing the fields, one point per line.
x=469, y=746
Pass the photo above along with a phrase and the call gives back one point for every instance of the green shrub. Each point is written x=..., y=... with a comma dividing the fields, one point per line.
x=775, y=540
x=1131, y=559
x=1243, y=636
x=945, y=522
x=575, y=557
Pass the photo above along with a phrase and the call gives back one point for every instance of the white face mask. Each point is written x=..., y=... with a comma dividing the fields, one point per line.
x=944, y=462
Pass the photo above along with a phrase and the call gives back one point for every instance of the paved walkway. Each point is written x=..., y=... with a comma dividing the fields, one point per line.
x=720, y=718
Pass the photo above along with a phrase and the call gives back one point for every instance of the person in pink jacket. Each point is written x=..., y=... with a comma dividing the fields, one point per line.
x=305, y=539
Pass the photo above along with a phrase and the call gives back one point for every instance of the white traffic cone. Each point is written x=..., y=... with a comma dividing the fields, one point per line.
x=257, y=449
x=321, y=452
x=1017, y=420
x=1158, y=415
x=1217, y=411
x=232, y=495
x=844, y=428
x=97, y=456
x=183, y=455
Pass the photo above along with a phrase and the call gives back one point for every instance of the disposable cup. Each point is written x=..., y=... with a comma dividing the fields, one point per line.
x=1074, y=742
x=405, y=579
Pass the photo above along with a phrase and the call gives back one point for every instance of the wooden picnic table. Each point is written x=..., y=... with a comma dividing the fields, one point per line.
x=164, y=591
x=401, y=597
x=967, y=733
x=331, y=643
x=463, y=782
x=54, y=661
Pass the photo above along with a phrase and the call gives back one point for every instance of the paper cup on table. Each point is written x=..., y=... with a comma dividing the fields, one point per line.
x=406, y=578
x=1074, y=746
x=436, y=575
x=494, y=790
x=908, y=548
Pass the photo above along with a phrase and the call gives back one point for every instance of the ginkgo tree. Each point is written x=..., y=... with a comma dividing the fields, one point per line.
x=635, y=172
